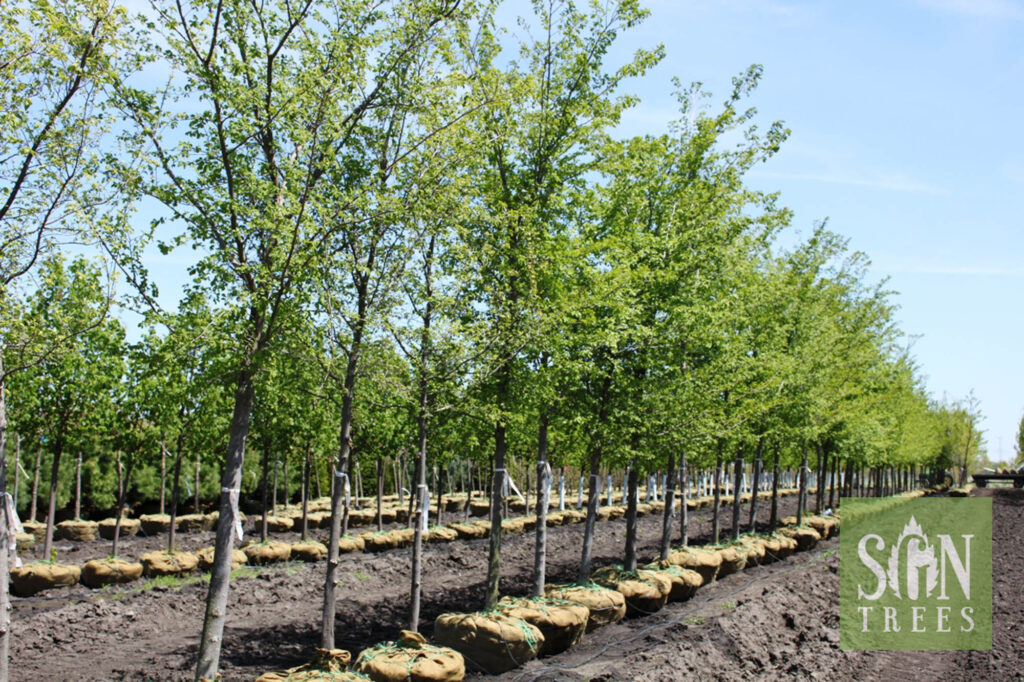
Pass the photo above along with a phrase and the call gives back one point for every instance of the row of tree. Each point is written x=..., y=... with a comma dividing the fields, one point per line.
x=418, y=236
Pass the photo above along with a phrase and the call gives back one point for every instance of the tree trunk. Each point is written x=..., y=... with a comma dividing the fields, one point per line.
x=277, y=462
x=632, y=495
x=737, y=495
x=756, y=491
x=670, y=503
x=305, y=494
x=833, y=481
x=52, y=505
x=802, y=495
x=78, y=485
x=163, y=477
x=35, y=477
x=17, y=470
x=5, y=599
x=540, y=550
x=594, y=500
x=231, y=485
x=421, y=495
x=338, y=494
x=121, y=495
x=264, y=491
x=819, y=492
x=196, y=504
x=497, y=497
x=175, y=491
x=717, y=495
x=380, y=495
x=284, y=480
x=773, y=520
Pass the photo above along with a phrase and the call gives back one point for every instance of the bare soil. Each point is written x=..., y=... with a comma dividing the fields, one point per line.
x=766, y=622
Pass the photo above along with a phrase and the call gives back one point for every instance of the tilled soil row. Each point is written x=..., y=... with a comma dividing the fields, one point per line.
x=273, y=618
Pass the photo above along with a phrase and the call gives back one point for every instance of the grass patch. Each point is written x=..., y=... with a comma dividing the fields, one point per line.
x=359, y=575
x=695, y=620
x=729, y=605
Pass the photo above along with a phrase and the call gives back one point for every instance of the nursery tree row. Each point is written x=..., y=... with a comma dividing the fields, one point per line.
x=417, y=242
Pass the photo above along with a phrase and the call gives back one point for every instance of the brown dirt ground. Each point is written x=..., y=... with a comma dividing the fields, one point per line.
x=766, y=622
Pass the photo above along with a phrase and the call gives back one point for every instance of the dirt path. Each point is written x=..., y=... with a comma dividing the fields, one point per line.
x=146, y=632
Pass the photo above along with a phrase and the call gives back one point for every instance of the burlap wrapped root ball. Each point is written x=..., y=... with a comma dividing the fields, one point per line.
x=491, y=641
x=469, y=531
x=309, y=550
x=442, y=534
x=645, y=592
x=155, y=524
x=194, y=523
x=78, y=530
x=328, y=665
x=38, y=530
x=279, y=524
x=412, y=659
x=101, y=572
x=33, y=578
x=733, y=560
x=778, y=546
x=606, y=606
x=206, y=555
x=755, y=549
x=270, y=552
x=805, y=536
x=348, y=544
x=25, y=540
x=561, y=622
x=168, y=563
x=705, y=562
x=128, y=528
x=826, y=526
x=684, y=581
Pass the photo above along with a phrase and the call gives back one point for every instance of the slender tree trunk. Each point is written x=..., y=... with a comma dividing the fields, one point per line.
x=35, y=477
x=78, y=485
x=632, y=493
x=277, y=462
x=305, y=494
x=421, y=495
x=834, y=481
x=122, y=494
x=594, y=500
x=338, y=494
x=718, y=495
x=17, y=470
x=670, y=503
x=51, y=516
x=380, y=495
x=5, y=600
x=543, y=491
x=284, y=480
x=684, y=511
x=231, y=485
x=819, y=492
x=773, y=520
x=802, y=496
x=163, y=477
x=175, y=491
x=196, y=502
x=737, y=494
x=264, y=491
x=758, y=463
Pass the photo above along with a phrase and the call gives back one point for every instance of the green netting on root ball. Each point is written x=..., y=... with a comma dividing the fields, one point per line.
x=412, y=659
x=606, y=606
x=442, y=534
x=469, y=531
x=100, y=572
x=684, y=581
x=779, y=546
x=754, y=548
x=491, y=641
x=706, y=562
x=163, y=563
x=33, y=578
x=645, y=592
x=562, y=622
x=326, y=666
x=349, y=543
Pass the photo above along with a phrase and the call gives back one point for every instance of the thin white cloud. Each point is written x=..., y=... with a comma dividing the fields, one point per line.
x=894, y=182
x=983, y=9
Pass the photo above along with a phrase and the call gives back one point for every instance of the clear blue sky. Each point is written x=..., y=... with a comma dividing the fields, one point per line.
x=906, y=120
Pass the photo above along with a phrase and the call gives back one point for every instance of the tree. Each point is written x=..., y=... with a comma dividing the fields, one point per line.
x=1018, y=446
